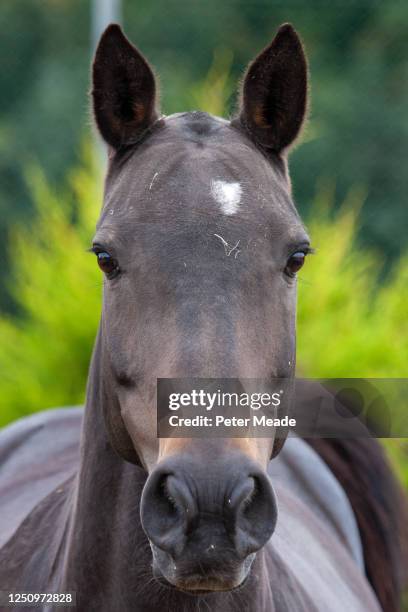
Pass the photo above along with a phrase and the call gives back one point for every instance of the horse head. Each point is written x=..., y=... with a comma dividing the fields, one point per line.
x=199, y=241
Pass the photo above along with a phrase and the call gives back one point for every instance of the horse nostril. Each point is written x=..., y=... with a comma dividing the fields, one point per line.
x=167, y=511
x=240, y=497
x=182, y=501
x=253, y=514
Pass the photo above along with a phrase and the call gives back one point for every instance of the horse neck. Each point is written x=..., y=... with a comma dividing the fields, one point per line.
x=107, y=555
x=105, y=500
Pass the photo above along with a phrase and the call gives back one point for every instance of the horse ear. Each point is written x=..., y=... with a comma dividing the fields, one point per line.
x=124, y=89
x=274, y=92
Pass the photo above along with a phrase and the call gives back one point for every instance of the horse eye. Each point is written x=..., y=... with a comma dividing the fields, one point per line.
x=294, y=263
x=107, y=264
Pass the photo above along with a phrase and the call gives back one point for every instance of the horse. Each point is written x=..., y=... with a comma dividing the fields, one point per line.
x=199, y=243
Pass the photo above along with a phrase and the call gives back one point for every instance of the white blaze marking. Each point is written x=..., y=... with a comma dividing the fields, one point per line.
x=228, y=195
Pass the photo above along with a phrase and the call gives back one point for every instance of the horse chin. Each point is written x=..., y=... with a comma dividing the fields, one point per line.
x=202, y=586
x=199, y=584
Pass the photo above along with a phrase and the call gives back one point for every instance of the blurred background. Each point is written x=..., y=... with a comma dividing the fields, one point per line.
x=349, y=175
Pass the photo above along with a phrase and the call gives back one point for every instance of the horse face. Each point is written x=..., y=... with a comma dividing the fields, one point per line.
x=199, y=241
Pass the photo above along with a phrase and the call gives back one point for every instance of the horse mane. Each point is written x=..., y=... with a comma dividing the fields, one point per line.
x=380, y=509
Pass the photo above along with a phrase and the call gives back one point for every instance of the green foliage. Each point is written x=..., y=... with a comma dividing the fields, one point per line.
x=213, y=92
x=45, y=350
x=397, y=451
x=349, y=323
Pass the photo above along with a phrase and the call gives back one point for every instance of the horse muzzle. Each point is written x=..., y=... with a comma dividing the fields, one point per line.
x=206, y=520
